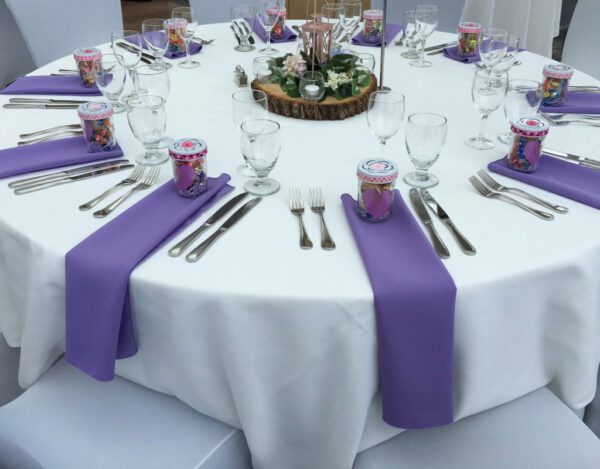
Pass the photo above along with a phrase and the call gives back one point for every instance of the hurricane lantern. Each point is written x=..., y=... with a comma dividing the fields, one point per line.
x=317, y=37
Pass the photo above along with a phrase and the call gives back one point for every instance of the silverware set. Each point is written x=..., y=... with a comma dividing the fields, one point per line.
x=145, y=57
x=584, y=88
x=317, y=205
x=43, y=103
x=580, y=160
x=199, y=250
x=566, y=119
x=52, y=133
x=439, y=48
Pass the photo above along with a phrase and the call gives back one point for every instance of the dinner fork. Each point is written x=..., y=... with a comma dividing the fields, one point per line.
x=317, y=205
x=571, y=120
x=484, y=191
x=148, y=182
x=297, y=208
x=134, y=177
x=495, y=185
x=51, y=130
x=52, y=136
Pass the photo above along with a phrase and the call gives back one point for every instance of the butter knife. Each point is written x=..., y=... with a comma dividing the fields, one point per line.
x=232, y=220
x=438, y=244
x=185, y=242
x=46, y=101
x=436, y=208
x=134, y=49
x=439, y=46
x=582, y=160
x=39, y=106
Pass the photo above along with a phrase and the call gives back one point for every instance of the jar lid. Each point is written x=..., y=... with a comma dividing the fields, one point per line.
x=95, y=110
x=87, y=53
x=188, y=148
x=469, y=27
x=373, y=14
x=530, y=127
x=276, y=10
x=175, y=23
x=558, y=71
x=377, y=171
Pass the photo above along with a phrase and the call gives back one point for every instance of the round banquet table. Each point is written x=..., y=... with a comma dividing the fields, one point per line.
x=281, y=342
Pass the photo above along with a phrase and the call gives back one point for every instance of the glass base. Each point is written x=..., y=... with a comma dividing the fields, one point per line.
x=190, y=64
x=410, y=54
x=160, y=65
x=152, y=158
x=269, y=51
x=505, y=138
x=480, y=143
x=262, y=186
x=420, y=63
x=244, y=48
x=118, y=107
x=424, y=181
x=244, y=170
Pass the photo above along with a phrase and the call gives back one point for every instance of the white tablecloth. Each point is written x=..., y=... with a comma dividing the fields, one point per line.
x=281, y=342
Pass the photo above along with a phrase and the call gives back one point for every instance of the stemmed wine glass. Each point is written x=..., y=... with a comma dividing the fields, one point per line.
x=425, y=137
x=351, y=18
x=243, y=17
x=426, y=20
x=523, y=98
x=110, y=79
x=268, y=14
x=261, y=145
x=148, y=120
x=488, y=92
x=385, y=115
x=190, y=16
x=493, y=44
x=153, y=81
x=156, y=38
x=335, y=14
x=508, y=60
x=248, y=105
x=127, y=47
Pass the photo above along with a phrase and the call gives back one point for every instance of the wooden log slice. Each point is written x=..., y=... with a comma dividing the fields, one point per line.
x=329, y=109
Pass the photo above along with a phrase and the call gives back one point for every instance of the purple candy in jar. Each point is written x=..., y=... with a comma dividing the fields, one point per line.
x=376, y=182
x=528, y=136
x=97, y=125
x=556, y=84
x=188, y=156
x=88, y=60
x=468, y=38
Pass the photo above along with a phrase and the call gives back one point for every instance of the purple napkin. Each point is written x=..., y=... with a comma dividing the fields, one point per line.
x=561, y=177
x=46, y=84
x=48, y=155
x=287, y=36
x=414, y=304
x=194, y=46
x=391, y=30
x=99, y=326
x=452, y=53
x=577, y=103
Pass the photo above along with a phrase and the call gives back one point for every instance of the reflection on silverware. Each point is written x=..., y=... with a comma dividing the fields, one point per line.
x=39, y=106
x=51, y=130
x=558, y=116
x=46, y=101
x=439, y=46
x=297, y=208
x=417, y=202
x=51, y=136
x=581, y=160
x=317, y=205
x=133, y=178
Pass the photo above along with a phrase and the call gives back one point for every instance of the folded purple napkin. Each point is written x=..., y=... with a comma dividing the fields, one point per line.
x=287, y=36
x=46, y=84
x=391, y=30
x=194, y=46
x=99, y=326
x=577, y=103
x=48, y=155
x=414, y=304
x=452, y=53
x=561, y=177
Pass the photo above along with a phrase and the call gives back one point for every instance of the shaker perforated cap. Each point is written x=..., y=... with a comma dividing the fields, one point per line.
x=188, y=148
x=377, y=171
x=95, y=110
x=530, y=127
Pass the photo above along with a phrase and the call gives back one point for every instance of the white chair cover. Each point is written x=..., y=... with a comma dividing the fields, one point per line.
x=581, y=45
x=55, y=28
x=9, y=373
x=591, y=416
x=536, y=22
x=536, y=431
x=15, y=59
x=450, y=11
x=66, y=420
x=13, y=457
x=211, y=11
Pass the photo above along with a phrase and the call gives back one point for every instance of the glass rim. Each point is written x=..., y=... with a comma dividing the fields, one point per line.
x=276, y=128
x=140, y=104
x=444, y=119
x=237, y=96
x=525, y=80
x=484, y=73
x=313, y=74
x=494, y=31
x=375, y=94
x=151, y=20
x=147, y=69
x=125, y=33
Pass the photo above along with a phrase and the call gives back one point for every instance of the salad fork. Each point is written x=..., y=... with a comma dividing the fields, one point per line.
x=317, y=205
x=297, y=208
x=134, y=177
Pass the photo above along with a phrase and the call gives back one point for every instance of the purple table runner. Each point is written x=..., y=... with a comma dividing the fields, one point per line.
x=99, y=326
x=48, y=155
x=561, y=177
x=577, y=103
x=47, y=84
x=452, y=53
x=391, y=31
x=414, y=303
x=287, y=36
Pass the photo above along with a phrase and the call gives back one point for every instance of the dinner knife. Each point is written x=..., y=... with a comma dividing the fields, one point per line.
x=74, y=178
x=185, y=242
x=436, y=52
x=438, y=244
x=135, y=50
x=46, y=101
x=436, y=208
x=232, y=220
x=39, y=106
x=439, y=46
x=582, y=160
x=61, y=174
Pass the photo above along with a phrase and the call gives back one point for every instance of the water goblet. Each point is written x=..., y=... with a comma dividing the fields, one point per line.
x=127, y=47
x=248, y=105
x=189, y=14
x=350, y=18
x=153, y=81
x=385, y=114
x=488, y=93
x=523, y=98
x=508, y=60
x=110, y=79
x=261, y=145
x=411, y=38
x=335, y=14
x=425, y=136
x=426, y=20
x=492, y=46
x=156, y=39
x=267, y=15
x=147, y=119
x=243, y=17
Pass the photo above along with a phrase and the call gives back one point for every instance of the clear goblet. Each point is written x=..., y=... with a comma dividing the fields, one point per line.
x=156, y=38
x=523, y=98
x=335, y=14
x=153, y=81
x=267, y=13
x=425, y=137
x=488, y=92
x=110, y=78
x=190, y=16
x=248, y=105
x=411, y=38
x=148, y=120
x=242, y=20
x=127, y=46
x=385, y=115
x=261, y=145
x=508, y=61
x=426, y=20
x=351, y=18
x=493, y=43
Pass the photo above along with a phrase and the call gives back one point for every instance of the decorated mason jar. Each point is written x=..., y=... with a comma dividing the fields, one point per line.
x=468, y=38
x=528, y=135
x=279, y=27
x=188, y=156
x=176, y=30
x=373, y=24
x=376, y=183
x=97, y=125
x=556, y=84
x=88, y=60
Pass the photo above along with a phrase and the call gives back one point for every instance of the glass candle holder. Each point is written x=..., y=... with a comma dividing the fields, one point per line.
x=528, y=136
x=468, y=38
x=556, y=84
x=188, y=156
x=262, y=68
x=373, y=25
x=88, y=60
x=97, y=125
x=176, y=30
x=312, y=86
x=376, y=183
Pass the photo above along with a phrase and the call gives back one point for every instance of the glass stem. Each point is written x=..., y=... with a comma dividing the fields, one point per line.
x=383, y=141
x=481, y=135
x=422, y=53
x=187, y=52
x=421, y=174
x=269, y=38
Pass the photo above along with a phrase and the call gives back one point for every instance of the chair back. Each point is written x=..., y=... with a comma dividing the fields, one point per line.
x=211, y=11
x=14, y=54
x=450, y=11
x=581, y=45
